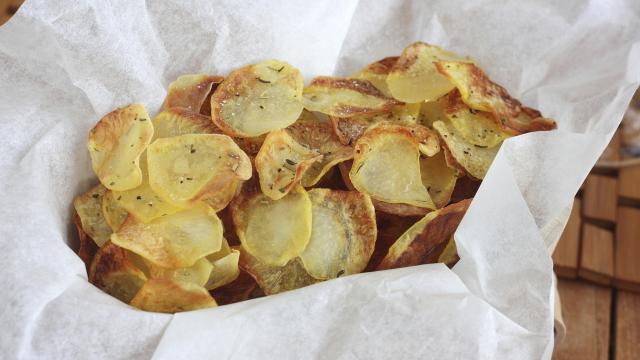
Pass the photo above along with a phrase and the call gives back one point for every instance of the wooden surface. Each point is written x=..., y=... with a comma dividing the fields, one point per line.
x=600, y=198
x=629, y=184
x=596, y=256
x=565, y=257
x=627, y=344
x=627, y=262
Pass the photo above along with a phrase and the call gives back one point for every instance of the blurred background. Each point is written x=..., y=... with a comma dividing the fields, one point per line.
x=597, y=259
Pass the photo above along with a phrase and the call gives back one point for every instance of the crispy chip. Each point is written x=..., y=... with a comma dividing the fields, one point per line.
x=114, y=214
x=274, y=279
x=449, y=255
x=414, y=77
x=432, y=111
x=476, y=127
x=240, y=289
x=115, y=146
x=179, y=121
x=191, y=91
x=173, y=241
x=197, y=273
x=170, y=296
x=480, y=93
x=88, y=206
x=113, y=270
x=317, y=135
x=343, y=233
x=282, y=162
x=87, y=248
x=466, y=188
x=438, y=178
x=420, y=244
x=345, y=97
x=275, y=231
x=225, y=267
x=184, y=169
x=386, y=166
x=473, y=159
x=257, y=99
x=376, y=73
x=390, y=227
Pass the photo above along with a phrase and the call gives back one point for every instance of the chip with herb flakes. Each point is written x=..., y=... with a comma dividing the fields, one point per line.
x=115, y=145
x=345, y=97
x=115, y=271
x=376, y=73
x=197, y=273
x=173, y=241
x=257, y=99
x=225, y=267
x=438, y=178
x=282, y=162
x=88, y=206
x=87, y=248
x=171, y=296
x=180, y=121
x=191, y=91
x=187, y=168
x=343, y=233
x=432, y=111
x=114, y=213
x=414, y=77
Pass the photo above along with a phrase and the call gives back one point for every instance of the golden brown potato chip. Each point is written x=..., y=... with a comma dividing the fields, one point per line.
x=88, y=206
x=191, y=91
x=480, y=93
x=432, y=111
x=114, y=213
x=87, y=248
x=420, y=243
x=473, y=159
x=343, y=233
x=317, y=135
x=197, y=273
x=115, y=146
x=466, y=188
x=184, y=169
x=345, y=97
x=257, y=99
x=414, y=77
x=173, y=241
x=240, y=289
x=449, y=255
x=251, y=145
x=179, y=121
x=476, y=127
x=114, y=271
x=275, y=231
x=282, y=162
x=274, y=279
x=390, y=227
x=438, y=178
x=386, y=166
x=376, y=73
x=225, y=267
x=170, y=296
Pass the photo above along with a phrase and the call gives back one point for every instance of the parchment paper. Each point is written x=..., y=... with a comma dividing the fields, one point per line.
x=64, y=64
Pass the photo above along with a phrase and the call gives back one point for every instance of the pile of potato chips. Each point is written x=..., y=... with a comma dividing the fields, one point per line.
x=254, y=184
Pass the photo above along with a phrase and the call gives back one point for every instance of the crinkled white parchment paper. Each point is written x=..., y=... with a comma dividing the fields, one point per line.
x=64, y=64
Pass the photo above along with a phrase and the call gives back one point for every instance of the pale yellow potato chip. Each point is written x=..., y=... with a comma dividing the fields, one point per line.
x=173, y=241
x=274, y=279
x=473, y=159
x=197, y=273
x=257, y=99
x=114, y=271
x=414, y=77
x=449, y=255
x=275, y=231
x=170, y=296
x=115, y=145
x=186, y=168
x=343, y=233
x=376, y=73
x=191, y=91
x=225, y=267
x=114, y=213
x=89, y=209
x=179, y=121
x=432, y=111
x=438, y=178
x=345, y=97
x=386, y=166
x=281, y=163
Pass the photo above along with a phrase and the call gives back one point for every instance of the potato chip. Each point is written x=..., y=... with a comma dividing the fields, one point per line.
x=115, y=146
x=432, y=111
x=87, y=248
x=242, y=288
x=376, y=73
x=257, y=99
x=438, y=178
x=88, y=206
x=418, y=244
x=473, y=159
x=251, y=145
x=449, y=255
x=184, y=169
x=191, y=91
x=390, y=227
x=197, y=273
x=343, y=233
x=318, y=136
x=386, y=167
x=282, y=162
x=225, y=267
x=345, y=97
x=114, y=271
x=173, y=241
x=466, y=188
x=414, y=77
x=114, y=214
x=476, y=127
x=178, y=121
x=274, y=279
x=275, y=231
x=170, y=296
x=480, y=93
